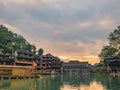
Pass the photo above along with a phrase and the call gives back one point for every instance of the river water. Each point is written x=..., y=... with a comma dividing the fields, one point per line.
x=64, y=82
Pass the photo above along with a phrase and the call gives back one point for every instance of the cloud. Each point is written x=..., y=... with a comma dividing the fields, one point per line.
x=11, y=27
x=62, y=27
x=85, y=24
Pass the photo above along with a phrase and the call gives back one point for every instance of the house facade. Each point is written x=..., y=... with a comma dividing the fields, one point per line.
x=75, y=67
x=50, y=63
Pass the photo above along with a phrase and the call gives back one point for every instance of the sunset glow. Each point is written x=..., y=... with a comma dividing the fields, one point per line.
x=69, y=29
x=62, y=57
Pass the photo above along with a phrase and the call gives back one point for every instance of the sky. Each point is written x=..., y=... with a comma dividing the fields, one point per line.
x=69, y=29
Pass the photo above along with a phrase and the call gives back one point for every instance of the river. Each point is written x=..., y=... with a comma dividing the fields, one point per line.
x=64, y=82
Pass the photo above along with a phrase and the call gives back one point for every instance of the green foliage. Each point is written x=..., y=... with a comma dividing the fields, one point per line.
x=11, y=41
x=40, y=52
x=33, y=49
x=99, y=69
x=114, y=37
x=107, y=51
x=113, y=49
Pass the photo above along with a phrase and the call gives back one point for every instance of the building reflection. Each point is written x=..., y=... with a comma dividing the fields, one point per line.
x=64, y=82
x=49, y=83
x=17, y=84
x=58, y=82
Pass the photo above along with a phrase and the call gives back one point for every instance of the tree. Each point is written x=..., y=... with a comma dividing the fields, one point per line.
x=107, y=51
x=113, y=49
x=33, y=49
x=10, y=41
x=40, y=52
x=114, y=39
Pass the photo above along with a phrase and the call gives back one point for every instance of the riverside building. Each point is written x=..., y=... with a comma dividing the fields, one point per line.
x=50, y=63
x=76, y=67
x=44, y=64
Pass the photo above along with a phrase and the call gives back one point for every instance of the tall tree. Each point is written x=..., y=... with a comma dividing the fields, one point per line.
x=113, y=49
x=114, y=39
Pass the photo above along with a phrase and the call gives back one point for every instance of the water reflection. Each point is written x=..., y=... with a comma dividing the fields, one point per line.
x=81, y=83
x=17, y=85
x=64, y=82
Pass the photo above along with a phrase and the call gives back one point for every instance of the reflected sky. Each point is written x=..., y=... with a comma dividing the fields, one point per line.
x=93, y=86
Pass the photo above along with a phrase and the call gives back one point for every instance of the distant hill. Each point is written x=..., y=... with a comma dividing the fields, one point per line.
x=10, y=41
